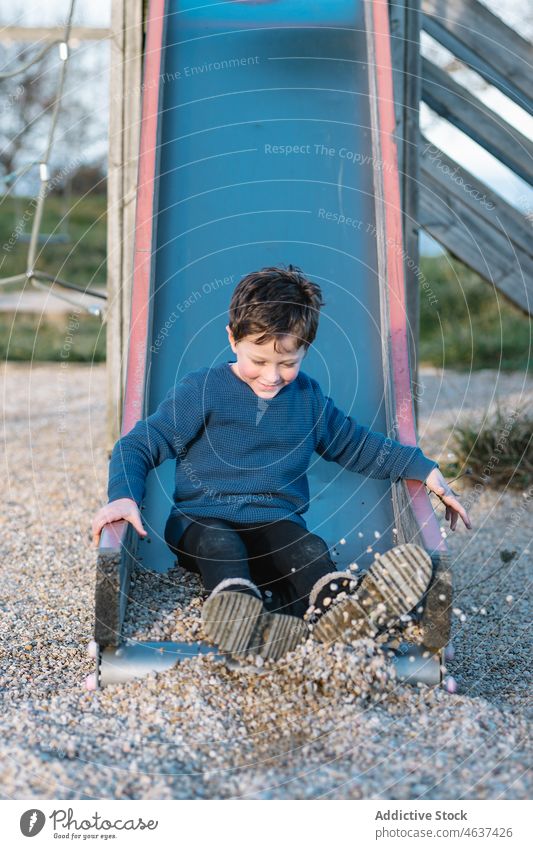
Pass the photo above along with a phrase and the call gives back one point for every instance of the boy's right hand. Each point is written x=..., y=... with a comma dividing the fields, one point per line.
x=122, y=508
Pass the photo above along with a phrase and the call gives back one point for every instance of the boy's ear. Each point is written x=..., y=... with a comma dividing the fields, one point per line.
x=230, y=337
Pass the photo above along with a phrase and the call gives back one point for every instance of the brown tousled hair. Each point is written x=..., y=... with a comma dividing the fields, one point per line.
x=275, y=302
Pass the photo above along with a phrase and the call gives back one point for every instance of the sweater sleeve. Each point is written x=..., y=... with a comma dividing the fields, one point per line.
x=162, y=436
x=370, y=453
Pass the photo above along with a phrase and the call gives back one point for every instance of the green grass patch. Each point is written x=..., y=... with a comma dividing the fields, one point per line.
x=471, y=325
x=466, y=324
x=58, y=337
x=81, y=260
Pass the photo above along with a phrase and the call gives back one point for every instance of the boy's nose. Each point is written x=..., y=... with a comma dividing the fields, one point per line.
x=271, y=378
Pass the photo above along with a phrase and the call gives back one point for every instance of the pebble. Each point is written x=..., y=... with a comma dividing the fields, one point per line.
x=325, y=721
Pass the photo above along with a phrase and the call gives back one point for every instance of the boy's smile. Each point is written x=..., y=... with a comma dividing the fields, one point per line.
x=265, y=370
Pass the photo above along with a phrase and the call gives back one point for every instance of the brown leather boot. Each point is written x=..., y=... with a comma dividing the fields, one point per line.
x=394, y=585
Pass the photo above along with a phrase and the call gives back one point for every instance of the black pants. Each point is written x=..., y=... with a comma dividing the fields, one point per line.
x=281, y=558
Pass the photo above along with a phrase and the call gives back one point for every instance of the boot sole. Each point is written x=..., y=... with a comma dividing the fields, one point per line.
x=393, y=585
x=238, y=624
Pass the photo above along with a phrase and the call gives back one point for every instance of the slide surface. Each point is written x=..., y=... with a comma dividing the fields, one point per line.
x=266, y=140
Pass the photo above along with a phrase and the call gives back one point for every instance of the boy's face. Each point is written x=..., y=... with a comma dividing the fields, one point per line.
x=265, y=370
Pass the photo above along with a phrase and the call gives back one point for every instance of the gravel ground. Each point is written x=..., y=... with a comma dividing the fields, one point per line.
x=326, y=723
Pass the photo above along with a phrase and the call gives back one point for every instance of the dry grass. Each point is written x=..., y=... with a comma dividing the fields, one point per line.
x=498, y=450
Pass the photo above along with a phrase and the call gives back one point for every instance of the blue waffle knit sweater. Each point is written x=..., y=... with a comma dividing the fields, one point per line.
x=242, y=458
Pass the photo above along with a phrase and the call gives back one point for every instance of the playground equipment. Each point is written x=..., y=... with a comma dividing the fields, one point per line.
x=267, y=137
x=40, y=279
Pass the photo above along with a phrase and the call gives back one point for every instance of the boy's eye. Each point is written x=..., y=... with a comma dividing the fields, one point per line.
x=262, y=362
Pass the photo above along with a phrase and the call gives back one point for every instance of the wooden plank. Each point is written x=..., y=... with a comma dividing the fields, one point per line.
x=133, y=71
x=409, y=182
x=145, y=221
x=43, y=34
x=405, y=50
x=484, y=42
x=114, y=360
x=397, y=37
x=476, y=225
x=464, y=110
x=483, y=200
x=124, y=123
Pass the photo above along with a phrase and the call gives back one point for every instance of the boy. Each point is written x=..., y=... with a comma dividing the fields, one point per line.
x=243, y=434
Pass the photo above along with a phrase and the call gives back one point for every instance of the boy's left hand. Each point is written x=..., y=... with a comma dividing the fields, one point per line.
x=436, y=483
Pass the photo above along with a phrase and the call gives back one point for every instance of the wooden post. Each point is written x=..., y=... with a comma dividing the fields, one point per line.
x=405, y=19
x=124, y=123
